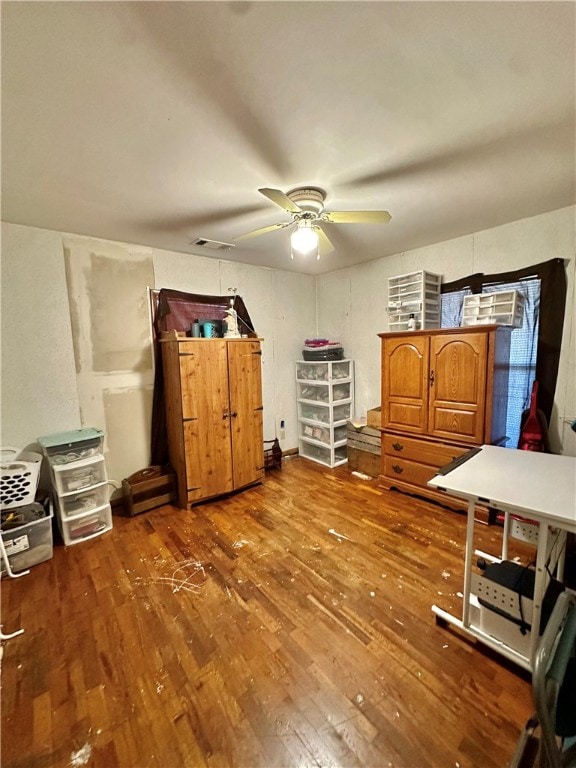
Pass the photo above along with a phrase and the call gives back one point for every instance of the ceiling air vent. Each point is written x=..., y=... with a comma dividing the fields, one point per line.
x=213, y=245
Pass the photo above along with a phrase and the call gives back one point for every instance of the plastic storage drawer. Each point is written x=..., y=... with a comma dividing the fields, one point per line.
x=30, y=543
x=79, y=475
x=67, y=447
x=86, y=526
x=322, y=455
x=76, y=503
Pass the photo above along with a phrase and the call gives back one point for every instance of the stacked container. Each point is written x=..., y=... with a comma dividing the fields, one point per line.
x=80, y=482
x=325, y=391
x=414, y=301
x=26, y=524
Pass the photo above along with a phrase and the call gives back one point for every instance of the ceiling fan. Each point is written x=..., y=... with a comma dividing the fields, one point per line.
x=306, y=207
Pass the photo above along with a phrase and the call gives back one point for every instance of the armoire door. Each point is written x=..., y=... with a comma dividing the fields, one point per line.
x=206, y=418
x=245, y=382
x=458, y=386
x=405, y=383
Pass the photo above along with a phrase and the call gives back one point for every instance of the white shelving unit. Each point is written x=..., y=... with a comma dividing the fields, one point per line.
x=495, y=308
x=80, y=483
x=417, y=294
x=325, y=393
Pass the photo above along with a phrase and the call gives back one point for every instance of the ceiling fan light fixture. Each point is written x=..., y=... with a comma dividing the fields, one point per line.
x=304, y=239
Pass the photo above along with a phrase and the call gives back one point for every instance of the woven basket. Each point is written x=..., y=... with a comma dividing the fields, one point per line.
x=19, y=475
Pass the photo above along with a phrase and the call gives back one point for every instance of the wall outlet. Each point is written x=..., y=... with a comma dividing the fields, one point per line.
x=282, y=429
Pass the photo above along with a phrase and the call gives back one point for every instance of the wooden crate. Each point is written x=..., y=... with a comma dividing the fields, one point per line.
x=364, y=461
x=364, y=448
x=364, y=438
x=148, y=488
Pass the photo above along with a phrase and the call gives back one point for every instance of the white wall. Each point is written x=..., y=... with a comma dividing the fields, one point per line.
x=351, y=303
x=38, y=382
x=50, y=336
x=76, y=341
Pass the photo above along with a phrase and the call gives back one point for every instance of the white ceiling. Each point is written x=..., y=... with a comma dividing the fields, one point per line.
x=157, y=122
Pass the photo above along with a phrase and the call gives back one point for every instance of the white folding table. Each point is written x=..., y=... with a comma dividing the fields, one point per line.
x=540, y=487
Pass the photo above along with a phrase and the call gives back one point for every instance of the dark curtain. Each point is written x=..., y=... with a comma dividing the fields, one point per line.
x=552, y=276
x=176, y=311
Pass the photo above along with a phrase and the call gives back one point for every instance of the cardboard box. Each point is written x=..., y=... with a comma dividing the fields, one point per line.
x=374, y=417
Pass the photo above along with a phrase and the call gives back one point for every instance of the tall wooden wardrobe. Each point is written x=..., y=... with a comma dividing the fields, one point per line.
x=213, y=399
x=444, y=391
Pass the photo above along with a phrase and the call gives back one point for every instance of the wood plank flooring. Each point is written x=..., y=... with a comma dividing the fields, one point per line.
x=286, y=626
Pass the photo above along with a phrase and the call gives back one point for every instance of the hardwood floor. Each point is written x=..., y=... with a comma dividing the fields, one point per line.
x=288, y=625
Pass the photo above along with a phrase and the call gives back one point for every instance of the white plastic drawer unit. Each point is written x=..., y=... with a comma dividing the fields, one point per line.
x=414, y=301
x=317, y=392
x=86, y=526
x=324, y=434
x=77, y=502
x=331, y=457
x=321, y=413
x=67, y=447
x=79, y=475
x=495, y=308
x=321, y=371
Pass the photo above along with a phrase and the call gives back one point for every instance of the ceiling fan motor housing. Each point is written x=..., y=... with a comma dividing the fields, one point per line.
x=308, y=199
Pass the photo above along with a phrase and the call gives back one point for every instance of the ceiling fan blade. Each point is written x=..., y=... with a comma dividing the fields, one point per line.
x=324, y=243
x=262, y=231
x=280, y=199
x=357, y=217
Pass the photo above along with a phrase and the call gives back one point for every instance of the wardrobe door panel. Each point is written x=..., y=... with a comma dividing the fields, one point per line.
x=405, y=383
x=458, y=386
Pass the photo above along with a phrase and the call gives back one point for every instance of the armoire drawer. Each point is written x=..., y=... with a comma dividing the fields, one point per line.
x=411, y=472
x=427, y=452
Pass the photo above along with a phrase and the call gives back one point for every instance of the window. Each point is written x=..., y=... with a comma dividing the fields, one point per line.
x=523, y=345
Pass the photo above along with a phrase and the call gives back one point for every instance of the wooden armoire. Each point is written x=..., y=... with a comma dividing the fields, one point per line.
x=213, y=400
x=444, y=391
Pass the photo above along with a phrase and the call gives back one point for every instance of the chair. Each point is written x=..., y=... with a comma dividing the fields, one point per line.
x=554, y=691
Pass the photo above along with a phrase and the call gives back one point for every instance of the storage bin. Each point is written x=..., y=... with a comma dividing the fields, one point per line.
x=67, y=447
x=30, y=543
x=320, y=413
x=499, y=628
x=494, y=308
x=414, y=296
x=323, y=455
x=19, y=473
x=75, y=503
x=332, y=353
x=80, y=528
x=79, y=475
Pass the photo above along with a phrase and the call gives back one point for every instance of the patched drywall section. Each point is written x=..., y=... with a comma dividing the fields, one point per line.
x=119, y=331
x=108, y=296
x=127, y=413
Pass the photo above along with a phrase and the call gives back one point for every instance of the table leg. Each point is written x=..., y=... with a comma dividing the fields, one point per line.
x=468, y=563
x=539, y=589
